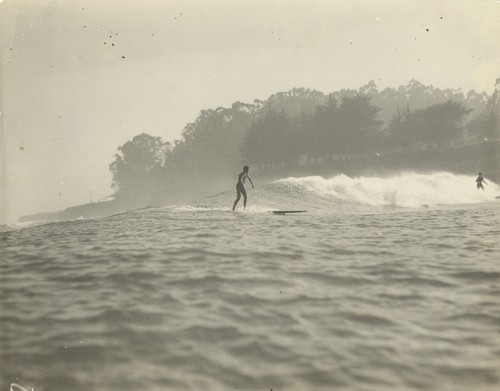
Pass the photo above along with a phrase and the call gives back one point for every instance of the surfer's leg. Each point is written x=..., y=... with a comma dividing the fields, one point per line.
x=238, y=196
x=236, y=201
x=244, y=192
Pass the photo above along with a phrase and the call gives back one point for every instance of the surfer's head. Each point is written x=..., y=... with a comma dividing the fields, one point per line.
x=479, y=174
x=246, y=168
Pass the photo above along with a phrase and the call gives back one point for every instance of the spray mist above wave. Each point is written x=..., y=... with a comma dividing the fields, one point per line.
x=405, y=189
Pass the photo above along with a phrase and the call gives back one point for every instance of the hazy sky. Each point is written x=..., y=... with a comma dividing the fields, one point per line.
x=69, y=97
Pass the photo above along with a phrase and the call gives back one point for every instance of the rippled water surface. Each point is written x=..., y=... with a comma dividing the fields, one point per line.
x=206, y=299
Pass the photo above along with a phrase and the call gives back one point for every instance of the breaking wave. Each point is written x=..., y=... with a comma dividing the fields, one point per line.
x=403, y=190
x=406, y=190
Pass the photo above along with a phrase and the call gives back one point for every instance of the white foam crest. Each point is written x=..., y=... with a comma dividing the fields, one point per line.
x=405, y=189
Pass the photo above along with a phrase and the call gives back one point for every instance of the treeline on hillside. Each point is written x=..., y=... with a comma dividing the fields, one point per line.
x=302, y=124
x=413, y=94
x=209, y=149
x=347, y=127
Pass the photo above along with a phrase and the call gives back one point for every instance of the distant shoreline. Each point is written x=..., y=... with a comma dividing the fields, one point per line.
x=466, y=160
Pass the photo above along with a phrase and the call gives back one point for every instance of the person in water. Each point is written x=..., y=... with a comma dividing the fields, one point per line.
x=240, y=187
x=479, y=182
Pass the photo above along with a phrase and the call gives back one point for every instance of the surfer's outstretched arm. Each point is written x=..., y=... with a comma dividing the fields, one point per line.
x=250, y=179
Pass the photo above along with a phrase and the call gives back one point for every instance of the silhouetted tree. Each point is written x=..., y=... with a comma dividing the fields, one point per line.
x=325, y=129
x=484, y=127
x=418, y=96
x=398, y=132
x=440, y=123
x=270, y=141
x=210, y=148
x=358, y=125
x=138, y=166
x=346, y=128
x=295, y=102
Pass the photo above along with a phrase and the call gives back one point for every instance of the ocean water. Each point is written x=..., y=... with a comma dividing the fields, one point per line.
x=383, y=284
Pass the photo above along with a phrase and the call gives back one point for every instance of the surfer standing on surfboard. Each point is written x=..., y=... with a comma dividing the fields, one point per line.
x=240, y=187
x=479, y=181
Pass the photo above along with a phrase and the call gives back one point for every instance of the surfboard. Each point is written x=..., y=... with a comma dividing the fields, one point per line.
x=283, y=212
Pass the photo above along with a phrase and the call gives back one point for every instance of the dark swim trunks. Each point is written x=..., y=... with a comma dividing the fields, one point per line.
x=240, y=189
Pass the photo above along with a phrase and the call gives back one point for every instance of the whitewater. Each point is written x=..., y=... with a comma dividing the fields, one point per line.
x=383, y=284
